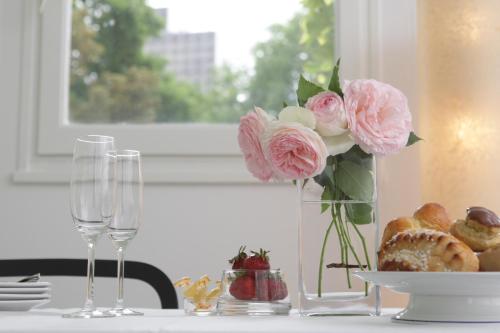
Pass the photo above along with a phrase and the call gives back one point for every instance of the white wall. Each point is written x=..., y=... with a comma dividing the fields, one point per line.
x=188, y=229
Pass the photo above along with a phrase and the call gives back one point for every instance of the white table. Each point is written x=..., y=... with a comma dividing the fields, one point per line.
x=157, y=321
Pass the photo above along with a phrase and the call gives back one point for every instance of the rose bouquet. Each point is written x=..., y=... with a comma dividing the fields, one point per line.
x=331, y=137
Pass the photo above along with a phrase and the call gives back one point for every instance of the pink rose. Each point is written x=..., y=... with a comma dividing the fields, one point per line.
x=378, y=116
x=328, y=108
x=294, y=151
x=252, y=125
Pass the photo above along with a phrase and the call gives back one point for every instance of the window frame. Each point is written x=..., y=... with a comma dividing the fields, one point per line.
x=173, y=153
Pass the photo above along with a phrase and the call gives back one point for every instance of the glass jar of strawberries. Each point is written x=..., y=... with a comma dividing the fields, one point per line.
x=251, y=287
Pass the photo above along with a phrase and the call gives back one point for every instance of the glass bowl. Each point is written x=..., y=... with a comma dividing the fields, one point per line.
x=199, y=300
x=253, y=292
x=206, y=307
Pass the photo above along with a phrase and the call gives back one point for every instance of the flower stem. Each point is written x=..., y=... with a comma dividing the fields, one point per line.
x=348, y=241
x=365, y=251
x=322, y=256
x=364, y=246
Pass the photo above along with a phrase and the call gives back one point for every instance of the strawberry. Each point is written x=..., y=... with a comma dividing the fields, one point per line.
x=277, y=290
x=271, y=289
x=243, y=288
x=238, y=260
x=258, y=260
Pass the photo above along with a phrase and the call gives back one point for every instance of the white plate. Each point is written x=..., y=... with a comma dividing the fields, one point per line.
x=10, y=297
x=24, y=284
x=24, y=290
x=444, y=296
x=21, y=305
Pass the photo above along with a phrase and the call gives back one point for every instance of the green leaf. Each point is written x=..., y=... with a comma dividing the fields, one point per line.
x=325, y=178
x=306, y=89
x=360, y=213
x=334, y=84
x=325, y=196
x=413, y=138
x=358, y=156
x=285, y=104
x=355, y=180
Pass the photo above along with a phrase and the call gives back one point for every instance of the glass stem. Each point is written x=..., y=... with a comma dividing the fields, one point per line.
x=121, y=275
x=89, y=301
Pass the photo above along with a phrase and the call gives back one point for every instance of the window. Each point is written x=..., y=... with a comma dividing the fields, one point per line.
x=201, y=148
x=185, y=61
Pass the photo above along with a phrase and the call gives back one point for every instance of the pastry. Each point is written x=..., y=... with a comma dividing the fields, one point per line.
x=429, y=216
x=480, y=229
x=433, y=216
x=489, y=260
x=427, y=251
x=398, y=225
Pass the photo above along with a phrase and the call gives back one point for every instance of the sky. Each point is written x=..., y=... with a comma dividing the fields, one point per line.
x=238, y=24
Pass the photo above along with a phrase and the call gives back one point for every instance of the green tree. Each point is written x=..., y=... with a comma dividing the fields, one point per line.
x=304, y=44
x=116, y=97
x=317, y=38
x=112, y=80
x=225, y=100
x=179, y=101
x=123, y=27
x=278, y=63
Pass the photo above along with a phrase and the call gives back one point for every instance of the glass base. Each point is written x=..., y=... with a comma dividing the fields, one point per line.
x=118, y=312
x=87, y=314
x=229, y=307
x=341, y=303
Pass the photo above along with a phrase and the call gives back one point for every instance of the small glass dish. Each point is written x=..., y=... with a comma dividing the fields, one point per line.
x=199, y=300
x=254, y=293
x=206, y=307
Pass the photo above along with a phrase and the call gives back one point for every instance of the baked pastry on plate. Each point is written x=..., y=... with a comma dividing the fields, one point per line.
x=426, y=250
x=433, y=216
x=480, y=229
x=489, y=260
x=429, y=216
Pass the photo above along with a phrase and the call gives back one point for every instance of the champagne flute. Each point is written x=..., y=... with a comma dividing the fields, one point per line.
x=126, y=198
x=86, y=199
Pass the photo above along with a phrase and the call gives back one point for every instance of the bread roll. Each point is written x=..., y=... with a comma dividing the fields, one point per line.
x=433, y=216
x=489, y=260
x=398, y=225
x=427, y=251
x=429, y=216
x=480, y=229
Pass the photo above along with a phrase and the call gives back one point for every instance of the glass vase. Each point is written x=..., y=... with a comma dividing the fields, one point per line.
x=338, y=235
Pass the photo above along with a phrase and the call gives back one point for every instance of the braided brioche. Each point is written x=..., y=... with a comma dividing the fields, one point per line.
x=429, y=216
x=426, y=250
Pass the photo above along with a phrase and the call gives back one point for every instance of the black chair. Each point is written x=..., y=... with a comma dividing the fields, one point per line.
x=103, y=268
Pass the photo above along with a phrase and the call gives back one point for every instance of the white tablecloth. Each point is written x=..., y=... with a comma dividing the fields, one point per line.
x=175, y=321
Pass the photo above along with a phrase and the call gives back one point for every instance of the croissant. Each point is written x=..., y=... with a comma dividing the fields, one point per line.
x=428, y=251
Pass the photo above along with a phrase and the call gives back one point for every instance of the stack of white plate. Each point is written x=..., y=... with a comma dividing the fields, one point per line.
x=22, y=296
